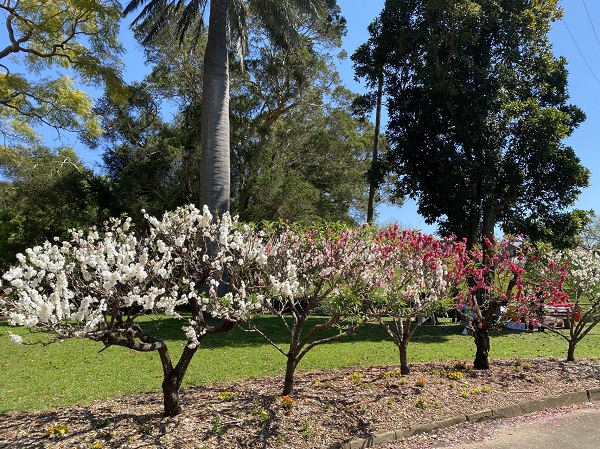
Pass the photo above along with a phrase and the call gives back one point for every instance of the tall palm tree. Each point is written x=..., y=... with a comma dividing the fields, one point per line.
x=226, y=23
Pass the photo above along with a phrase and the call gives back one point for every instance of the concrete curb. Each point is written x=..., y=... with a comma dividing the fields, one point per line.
x=522, y=408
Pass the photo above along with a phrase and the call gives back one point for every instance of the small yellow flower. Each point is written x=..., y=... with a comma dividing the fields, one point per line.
x=455, y=375
x=356, y=377
x=227, y=396
x=57, y=430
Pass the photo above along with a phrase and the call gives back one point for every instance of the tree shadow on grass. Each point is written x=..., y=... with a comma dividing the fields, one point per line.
x=170, y=329
x=436, y=334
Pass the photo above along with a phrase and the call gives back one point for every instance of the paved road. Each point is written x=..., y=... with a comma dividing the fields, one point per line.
x=576, y=429
x=568, y=428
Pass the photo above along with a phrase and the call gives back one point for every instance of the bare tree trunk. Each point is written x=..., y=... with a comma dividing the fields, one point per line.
x=571, y=351
x=170, y=387
x=215, y=163
x=489, y=222
x=373, y=182
x=173, y=377
x=290, y=369
x=482, y=342
x=404, y=366
x=403, y=346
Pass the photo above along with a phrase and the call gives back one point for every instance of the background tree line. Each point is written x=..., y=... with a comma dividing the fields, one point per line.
x=477, y=104
x=298, y=152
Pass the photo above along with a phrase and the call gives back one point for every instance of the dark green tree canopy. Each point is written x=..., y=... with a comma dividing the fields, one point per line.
x=478, y=109
x=44, y=193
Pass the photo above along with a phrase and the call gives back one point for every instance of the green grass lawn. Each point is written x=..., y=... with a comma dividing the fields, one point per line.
x=37, y=377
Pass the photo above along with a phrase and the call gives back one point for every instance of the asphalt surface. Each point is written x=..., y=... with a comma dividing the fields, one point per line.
x=572, y=429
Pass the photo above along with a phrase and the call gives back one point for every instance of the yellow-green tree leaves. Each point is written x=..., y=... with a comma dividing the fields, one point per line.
x=50, y=49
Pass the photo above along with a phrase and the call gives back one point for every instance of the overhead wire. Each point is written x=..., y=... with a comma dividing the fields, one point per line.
x=591, y=22
x=581, y=52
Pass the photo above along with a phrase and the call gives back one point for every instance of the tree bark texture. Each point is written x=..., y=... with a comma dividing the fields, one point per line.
x=170, y=387
x=290, y=369
x=571, y=351
x=173, y=377
x=404, y=366
x=482, y=342
x=214, y=162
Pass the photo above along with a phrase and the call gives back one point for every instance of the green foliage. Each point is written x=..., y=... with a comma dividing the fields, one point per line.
x=296, y=151
x=309, y=167
x=75, y=36
x=145, y=159
x=45, y=193
x=478, y=111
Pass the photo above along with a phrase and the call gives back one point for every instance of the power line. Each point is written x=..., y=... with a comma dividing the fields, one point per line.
x=591, y=23
x=578, y=48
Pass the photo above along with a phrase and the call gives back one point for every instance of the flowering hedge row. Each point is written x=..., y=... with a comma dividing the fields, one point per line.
x=97, y=284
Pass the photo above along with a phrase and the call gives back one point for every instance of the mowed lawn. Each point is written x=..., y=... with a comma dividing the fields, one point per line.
x=38, y=377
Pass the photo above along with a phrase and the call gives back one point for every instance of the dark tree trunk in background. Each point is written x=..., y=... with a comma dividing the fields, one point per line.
x=373, y=183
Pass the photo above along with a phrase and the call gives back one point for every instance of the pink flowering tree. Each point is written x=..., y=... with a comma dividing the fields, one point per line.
x=417, y=275
x=577, y=272
x=498, y=286
x=309, y=269
x=99, y=283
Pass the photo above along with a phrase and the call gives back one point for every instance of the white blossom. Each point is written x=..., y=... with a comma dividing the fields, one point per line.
x=15, y=339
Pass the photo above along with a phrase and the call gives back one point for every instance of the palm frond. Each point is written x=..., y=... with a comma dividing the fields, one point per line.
x=238, y=30
x=156, y=13
x=282, y=17
x=192, y=15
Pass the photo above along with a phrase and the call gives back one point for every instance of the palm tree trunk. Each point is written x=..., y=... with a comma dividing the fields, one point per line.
x=214, y=162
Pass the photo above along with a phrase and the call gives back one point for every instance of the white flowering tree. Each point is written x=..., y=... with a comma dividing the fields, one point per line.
x=308, y=269
x=580, y=284
x=98, y=285
x=418, y=271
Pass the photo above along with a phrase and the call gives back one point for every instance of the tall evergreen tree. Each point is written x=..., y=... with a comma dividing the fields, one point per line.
x=478, y=108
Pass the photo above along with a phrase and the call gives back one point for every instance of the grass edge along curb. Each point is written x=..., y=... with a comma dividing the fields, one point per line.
x=511, y=411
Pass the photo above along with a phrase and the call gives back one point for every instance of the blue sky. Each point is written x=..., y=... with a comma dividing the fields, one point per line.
x=576, y=38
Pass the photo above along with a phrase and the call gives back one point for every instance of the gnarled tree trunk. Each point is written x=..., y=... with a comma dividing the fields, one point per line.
x=173, y=377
